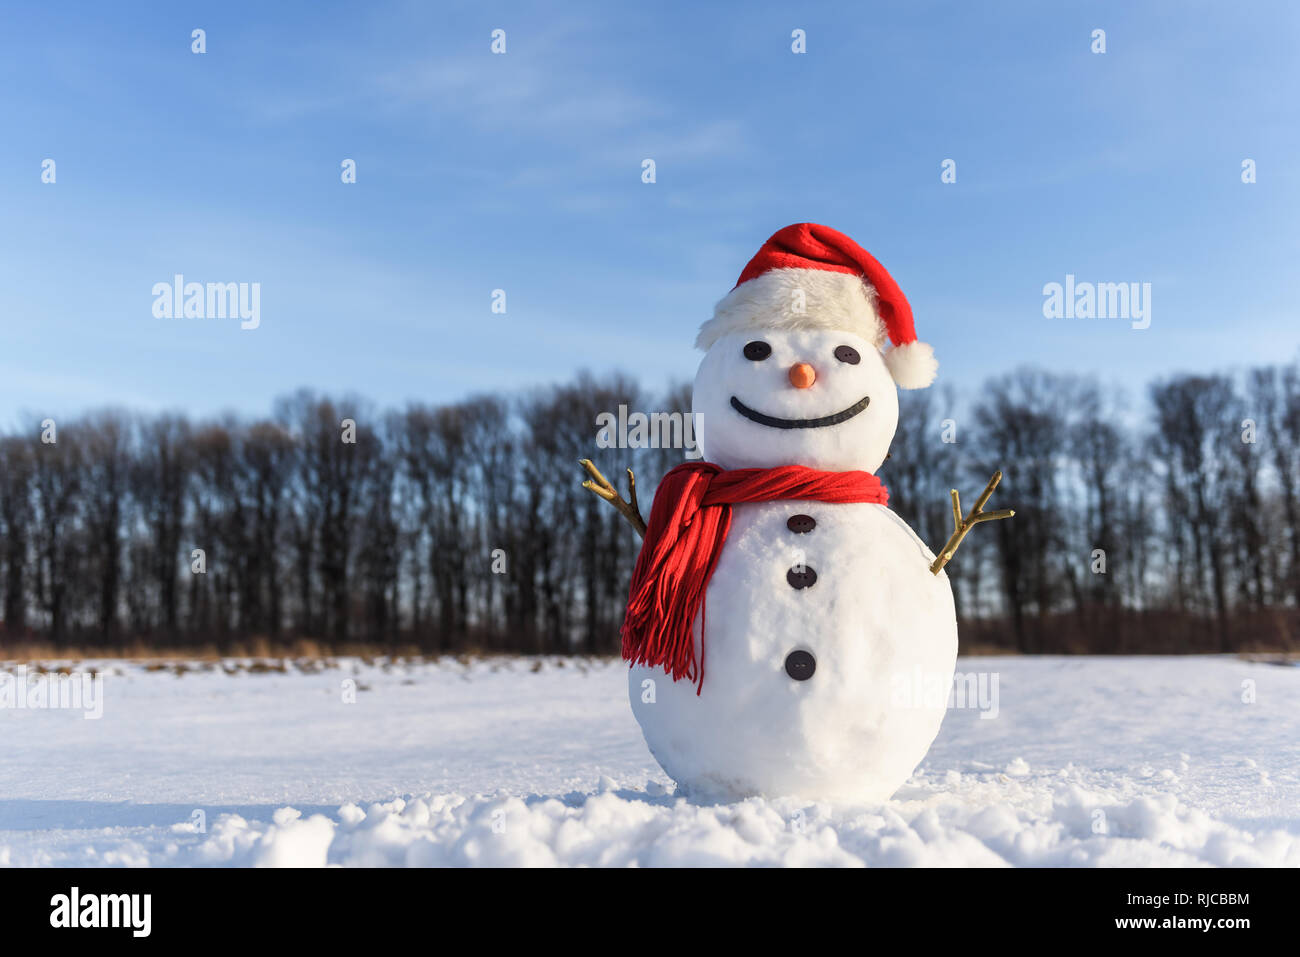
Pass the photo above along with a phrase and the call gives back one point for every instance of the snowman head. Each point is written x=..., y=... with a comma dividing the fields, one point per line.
x=793, y=372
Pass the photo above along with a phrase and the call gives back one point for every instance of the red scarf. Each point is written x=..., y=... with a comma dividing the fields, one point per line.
x=688, y=524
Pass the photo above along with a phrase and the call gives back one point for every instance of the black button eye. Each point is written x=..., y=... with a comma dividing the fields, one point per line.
x=757, y=351
x=847, y=354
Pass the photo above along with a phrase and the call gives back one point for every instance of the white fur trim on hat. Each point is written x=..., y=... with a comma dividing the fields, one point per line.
x=789, y=299
x=912, y=365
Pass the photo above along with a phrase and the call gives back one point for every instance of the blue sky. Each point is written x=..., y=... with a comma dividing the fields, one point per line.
x=523, y=172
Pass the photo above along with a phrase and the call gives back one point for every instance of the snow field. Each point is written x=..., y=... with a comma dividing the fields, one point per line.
x=539, y=762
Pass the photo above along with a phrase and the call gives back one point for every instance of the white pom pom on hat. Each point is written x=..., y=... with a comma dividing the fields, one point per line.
x=808, y=276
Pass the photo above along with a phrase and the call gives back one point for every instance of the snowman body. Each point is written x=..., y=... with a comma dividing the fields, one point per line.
x=877, y=625
x=821, y=621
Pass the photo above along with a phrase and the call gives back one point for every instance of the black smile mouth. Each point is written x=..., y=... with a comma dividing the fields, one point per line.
x=820, y=422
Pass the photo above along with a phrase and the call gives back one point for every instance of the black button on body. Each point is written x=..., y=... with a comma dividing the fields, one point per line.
x=801, y=576
x=800, y=524
x=800, y=665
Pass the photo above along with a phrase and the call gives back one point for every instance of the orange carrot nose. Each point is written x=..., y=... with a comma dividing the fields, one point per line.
x=802, y=375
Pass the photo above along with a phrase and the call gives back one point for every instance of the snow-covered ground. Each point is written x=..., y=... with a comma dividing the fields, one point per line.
x=1089, y=761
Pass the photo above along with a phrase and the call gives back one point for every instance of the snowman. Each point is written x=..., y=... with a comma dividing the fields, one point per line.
x=780, y=614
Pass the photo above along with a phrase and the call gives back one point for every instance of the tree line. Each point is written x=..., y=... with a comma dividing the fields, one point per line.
x=1163, y=522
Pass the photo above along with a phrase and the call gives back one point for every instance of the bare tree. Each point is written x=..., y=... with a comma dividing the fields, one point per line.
x=16, y=463
x=58, y=489
x=1192, y=438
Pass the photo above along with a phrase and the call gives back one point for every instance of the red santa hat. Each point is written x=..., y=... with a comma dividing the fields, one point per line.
x=813, y=277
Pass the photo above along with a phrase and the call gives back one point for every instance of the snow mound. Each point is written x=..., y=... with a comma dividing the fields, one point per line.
x=1047, y=821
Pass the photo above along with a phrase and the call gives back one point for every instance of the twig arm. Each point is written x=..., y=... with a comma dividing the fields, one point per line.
x=601, y=486
x=961, y=526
